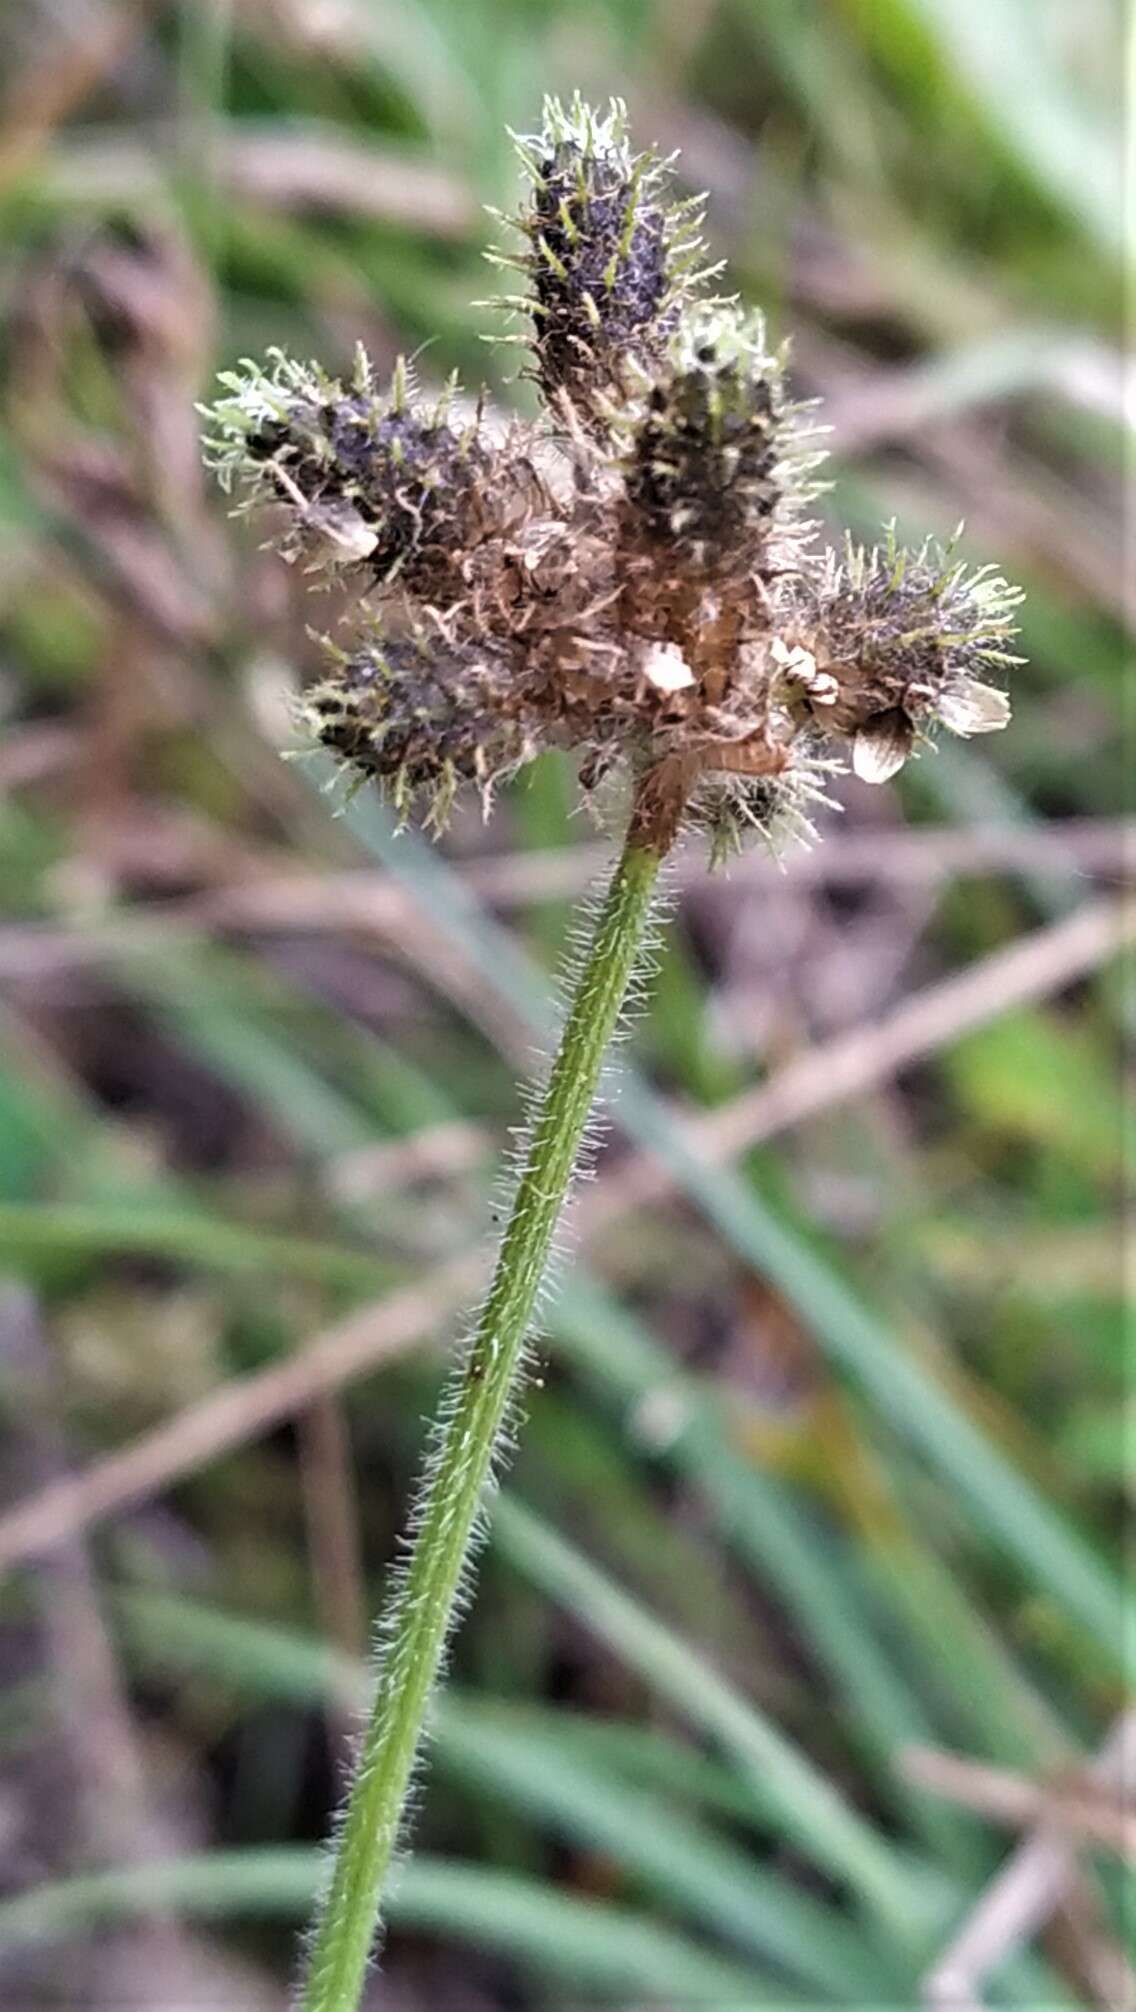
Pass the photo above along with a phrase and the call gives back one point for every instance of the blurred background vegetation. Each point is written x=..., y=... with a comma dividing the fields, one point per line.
x=801, y=1610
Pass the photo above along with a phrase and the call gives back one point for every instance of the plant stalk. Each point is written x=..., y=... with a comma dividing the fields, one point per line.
x=471, y=1433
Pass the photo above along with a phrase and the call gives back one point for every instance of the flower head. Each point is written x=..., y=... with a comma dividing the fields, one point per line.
x=631, y=577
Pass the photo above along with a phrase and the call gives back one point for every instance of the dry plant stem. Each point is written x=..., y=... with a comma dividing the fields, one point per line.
x=476, y=1417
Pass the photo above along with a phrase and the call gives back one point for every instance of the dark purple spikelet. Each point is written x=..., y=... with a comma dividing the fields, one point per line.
x=370, y=479
x=609, y=258
x=706, y=467
x=421, y=717
x=599, y=267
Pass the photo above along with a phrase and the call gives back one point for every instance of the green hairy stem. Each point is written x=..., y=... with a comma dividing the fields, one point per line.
x=471, y=1433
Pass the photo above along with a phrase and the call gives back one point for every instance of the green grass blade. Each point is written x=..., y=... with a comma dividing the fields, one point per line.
x=796, y=1796
x=580, y=1943
x=615, y=1351
x=682, y=1862
x=211, y=1006
x=762, y=1522
x=33, y=1232
x=997, y=53
x=540, y=1763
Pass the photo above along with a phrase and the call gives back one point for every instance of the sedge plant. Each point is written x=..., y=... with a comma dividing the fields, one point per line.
x=632, y=577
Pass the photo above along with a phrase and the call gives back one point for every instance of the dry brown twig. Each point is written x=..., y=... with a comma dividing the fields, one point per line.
x=100, y=1809
x=238, y=1412
x=1087, y=1812
x=1026, y=1892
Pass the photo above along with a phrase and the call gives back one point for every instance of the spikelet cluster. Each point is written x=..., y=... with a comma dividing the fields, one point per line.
x=634, y=576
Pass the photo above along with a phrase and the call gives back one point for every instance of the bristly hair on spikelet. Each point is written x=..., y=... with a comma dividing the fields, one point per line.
x=610, y=260
x=633, y=576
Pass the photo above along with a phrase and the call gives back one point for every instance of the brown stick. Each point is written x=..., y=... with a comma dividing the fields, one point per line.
x=1022, y=1896
x=1075, y=1807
